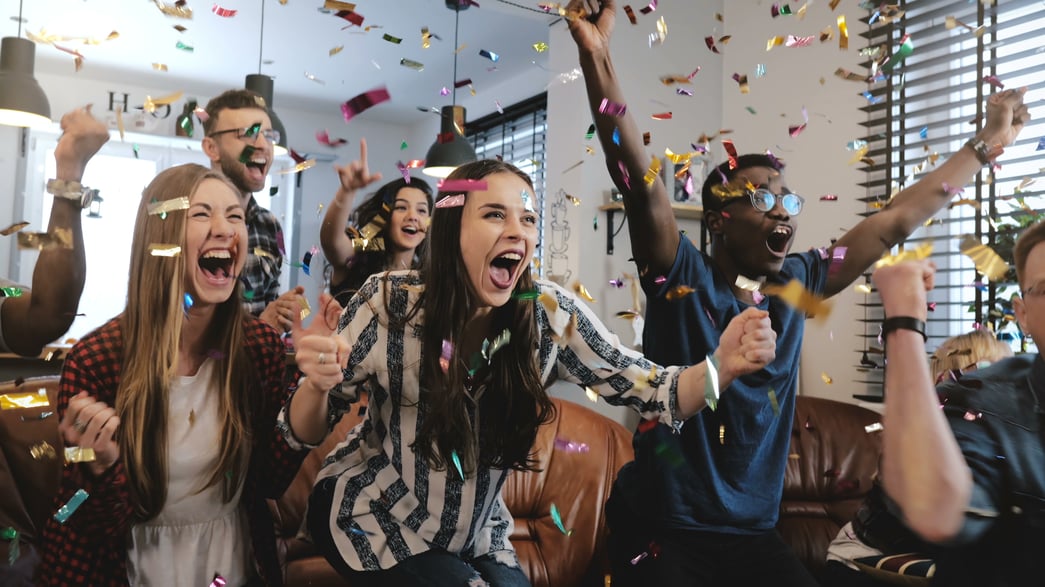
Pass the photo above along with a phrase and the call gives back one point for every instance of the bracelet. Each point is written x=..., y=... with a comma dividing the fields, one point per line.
x=986, y=155
x=903, y=323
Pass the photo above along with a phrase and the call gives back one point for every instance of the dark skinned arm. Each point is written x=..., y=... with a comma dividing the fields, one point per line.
x=912, y=207
x=46, y=312
x=651, y=221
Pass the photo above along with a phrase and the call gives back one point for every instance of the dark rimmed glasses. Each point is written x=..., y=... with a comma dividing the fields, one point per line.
x=764, y=200
x=251, y=133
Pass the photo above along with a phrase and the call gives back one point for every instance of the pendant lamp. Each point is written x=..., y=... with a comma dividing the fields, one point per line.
x=263, y=85
x=450, y=149
x=22, y=100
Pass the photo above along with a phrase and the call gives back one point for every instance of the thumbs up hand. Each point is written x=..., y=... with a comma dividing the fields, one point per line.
x=321, y=354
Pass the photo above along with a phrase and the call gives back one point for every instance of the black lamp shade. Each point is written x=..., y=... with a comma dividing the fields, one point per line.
x=22, y=100
x=262, y=85
x=444, y=157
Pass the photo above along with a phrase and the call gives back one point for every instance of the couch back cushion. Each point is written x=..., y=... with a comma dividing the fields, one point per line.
x=833, y=459
x=578, y=484
x=28, y=484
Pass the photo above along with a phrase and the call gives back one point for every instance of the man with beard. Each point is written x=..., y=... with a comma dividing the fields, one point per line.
x=699, y=504
x=239, y=141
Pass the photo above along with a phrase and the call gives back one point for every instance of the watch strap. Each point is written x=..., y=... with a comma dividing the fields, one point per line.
x=70, y=190
x=903, y=323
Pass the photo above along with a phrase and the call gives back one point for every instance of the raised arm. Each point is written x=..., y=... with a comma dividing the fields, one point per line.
x=651, y=221
x=46, y=312
x=872, y=237
x=923, y=467
x=337, y=246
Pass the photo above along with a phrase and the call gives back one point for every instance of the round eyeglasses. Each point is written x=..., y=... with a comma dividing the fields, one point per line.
x=764, y=200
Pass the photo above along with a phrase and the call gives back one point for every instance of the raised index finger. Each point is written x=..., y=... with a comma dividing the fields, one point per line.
x=362, y=158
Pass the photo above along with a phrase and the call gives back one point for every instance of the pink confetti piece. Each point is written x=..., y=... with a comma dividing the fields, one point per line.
x=451, y=201
x=972, y=416
x=829, y=198
x=757, y=296
x=363, y=101
x=612, y=108
x=324, y=138
x=462, y=185
x=404, y=170
x=994, y=81
x=683, y=92
x=659, y=279
x=731, y=150
x=952, y=191
x=793, y=41
x=223, y=12
x=462, y=83
x=570, y=446
x=837, y=257
x=710, y=42
x=201, y=113
x=497, y=104
x=444, y=92
x=625, y=176
x=649, y=7
x=351, y=16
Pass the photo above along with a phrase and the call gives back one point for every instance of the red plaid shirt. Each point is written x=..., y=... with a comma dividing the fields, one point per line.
x=91, y=547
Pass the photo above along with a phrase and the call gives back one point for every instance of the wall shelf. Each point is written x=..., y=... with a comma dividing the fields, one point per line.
x=685, y=211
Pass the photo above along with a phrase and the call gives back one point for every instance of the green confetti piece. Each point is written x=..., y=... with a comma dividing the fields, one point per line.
x=528, y=295
x=248, y=295
x=10, y=292
x=252, y=131
x=136, y=148
x=558, y=521
x=902, y=53
x=669, y=453
x=184, y=47
x=247, y=153
x=457, y=463
x=711, y=391
x=13, y=552
x=186, y=125
x=489, y=348
x=391, y=39
x=751, y=110
x=773, y=402
x=402, y=147
x=591, y=132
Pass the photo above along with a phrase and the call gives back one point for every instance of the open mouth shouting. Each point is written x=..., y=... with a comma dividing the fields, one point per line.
x=217, y=266
x=256, y=163
x=779, y=241
x=505, y=268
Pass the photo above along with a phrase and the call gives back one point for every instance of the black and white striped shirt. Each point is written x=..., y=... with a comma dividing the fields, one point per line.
x=392, y=505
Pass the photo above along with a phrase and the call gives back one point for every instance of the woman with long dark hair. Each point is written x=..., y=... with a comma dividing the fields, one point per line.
x=177, y=398
x=457, y=357
x=388, y=229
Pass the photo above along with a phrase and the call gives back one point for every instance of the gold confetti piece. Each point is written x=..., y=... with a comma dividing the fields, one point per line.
x=78, y=454
x=582, y=291
x=680, y=157
x=652, y=171
x=593, y=395
x=159, y=66
x=678, y=292
x=59, y=238
x=151, y=103
x=25, y=399
x=305, y=308
x=160, y=250
x=540, y=47
x=338, y=6
x=119, y=121
x=17, y=226
x=162, y=207
x=843, y=33
x=306, y=164
x=628, y=314
x=826, y=378
x=722, y=434
x=798, y=297
x=335, y=50
x=778, y=40
x=746, y=283
x=175, y=9
x=987, y=261
x=42, y=451
x=876, y=427
x=922, y=251
x=794, y=456
x=572, y=199
x=862, y=288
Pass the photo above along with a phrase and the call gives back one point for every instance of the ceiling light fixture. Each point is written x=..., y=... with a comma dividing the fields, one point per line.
x=450, y=148
x=263, y=86
x=22, y=100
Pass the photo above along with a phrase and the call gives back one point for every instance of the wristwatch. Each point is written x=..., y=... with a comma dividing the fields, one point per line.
x=71, y=190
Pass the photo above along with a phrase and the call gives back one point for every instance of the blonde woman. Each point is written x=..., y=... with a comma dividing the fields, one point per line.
x=178, y=398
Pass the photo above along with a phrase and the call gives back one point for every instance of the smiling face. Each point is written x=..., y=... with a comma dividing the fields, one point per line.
x=756, y=242
x=215, y=242
x=408, y=223
x=498, y=236
x=226, y=149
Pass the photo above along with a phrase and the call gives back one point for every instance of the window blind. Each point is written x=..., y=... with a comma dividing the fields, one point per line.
x=921, y=113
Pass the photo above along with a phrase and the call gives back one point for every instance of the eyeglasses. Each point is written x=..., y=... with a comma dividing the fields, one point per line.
x=764, y=200
x=251, y=133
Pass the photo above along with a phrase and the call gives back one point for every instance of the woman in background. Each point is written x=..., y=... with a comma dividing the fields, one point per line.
x=178, y=398
x=389, y=229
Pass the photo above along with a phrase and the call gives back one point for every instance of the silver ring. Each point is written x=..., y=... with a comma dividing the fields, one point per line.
x=79, y=427
x=322, y=358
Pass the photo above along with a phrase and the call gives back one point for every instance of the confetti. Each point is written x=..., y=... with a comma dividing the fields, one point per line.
x=612, y=108
x=312, y=77
x=26, y=399
x=162, y=207
x=994, y=81
x=826, y=378
x=796, y=296
x=451, y=201
x=391, y=39
x=631, y=14
x=43, y=451
x=582, y=291
x=843, y=33
x=711, y=390
x=557, y=518
x=335, y=50
x=17, y=226
x=69, y=508
x=324, y=138
x=59, y=238
x=223, y=12
x=905, y=49
x=920, y=252
x=773, y=402
x=183, y=47
x=661, y=116
x=363, y=101
x=414, y=65
x=489, y=55
x=461, y=185
x=351, y=16
x=187, y=301
x=79, y=454
x=829, y=198
x=710, y=42
x=151, y=103
x=876, y=427
x=161, y=250
x=570, y=446
x=177, y=9
x=987, y=261
x=338, y=5
x=649, y=7
x=457, y=463
x=540, y=47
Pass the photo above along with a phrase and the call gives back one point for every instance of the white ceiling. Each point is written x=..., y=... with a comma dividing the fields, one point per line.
x=298, y=36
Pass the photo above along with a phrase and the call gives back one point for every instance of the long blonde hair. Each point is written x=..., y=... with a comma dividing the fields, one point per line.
x=966, y=351
x=151, y=329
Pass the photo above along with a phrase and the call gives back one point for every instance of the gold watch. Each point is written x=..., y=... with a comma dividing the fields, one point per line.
x=71, y=190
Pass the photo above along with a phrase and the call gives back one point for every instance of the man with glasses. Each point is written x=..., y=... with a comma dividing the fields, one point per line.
x=239, y=141
x=699, y=504
x=969, y=476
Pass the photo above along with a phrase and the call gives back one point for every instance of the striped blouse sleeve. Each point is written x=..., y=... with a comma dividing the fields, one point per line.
x=588, y=354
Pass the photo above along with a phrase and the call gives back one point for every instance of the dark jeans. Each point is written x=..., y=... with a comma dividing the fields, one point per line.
x=435, y=568
x=697, y=559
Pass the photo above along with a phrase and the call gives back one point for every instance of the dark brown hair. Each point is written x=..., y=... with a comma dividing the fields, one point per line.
x=230, y=100
x=514, y=402
x=723, y=174
x=1031, y=237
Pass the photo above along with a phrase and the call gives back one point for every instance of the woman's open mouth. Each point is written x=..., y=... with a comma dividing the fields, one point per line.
x=217, y=265
x=503, y=269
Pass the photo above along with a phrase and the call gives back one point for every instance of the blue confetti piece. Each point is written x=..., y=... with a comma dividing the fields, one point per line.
x=457, y=463
x=1041, y=144
x=616, y=136
x=490, y=55
x=558, y=520
x=188, y=301
x=69, y=508
x=305, y=262
x=924, y=133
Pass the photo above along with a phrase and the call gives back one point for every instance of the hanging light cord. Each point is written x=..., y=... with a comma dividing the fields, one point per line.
x=457, y=26
x=261, y=39
x=20, y=18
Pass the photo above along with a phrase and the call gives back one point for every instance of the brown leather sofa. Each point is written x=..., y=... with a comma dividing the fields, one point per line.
x=577, y=483
x=833, y=460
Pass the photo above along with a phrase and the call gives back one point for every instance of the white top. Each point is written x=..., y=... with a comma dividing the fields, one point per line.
x=389, y=505
x=196, y=534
